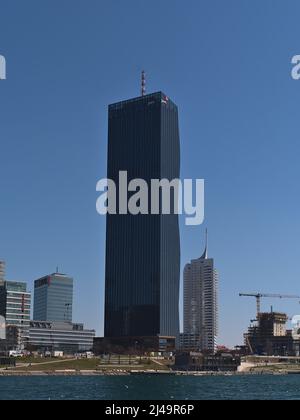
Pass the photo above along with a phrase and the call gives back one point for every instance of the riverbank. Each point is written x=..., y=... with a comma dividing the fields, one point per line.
x=82, y=367
x=117, y=372
x=136, y=366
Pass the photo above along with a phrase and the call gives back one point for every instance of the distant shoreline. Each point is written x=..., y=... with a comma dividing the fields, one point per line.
x=13, y=373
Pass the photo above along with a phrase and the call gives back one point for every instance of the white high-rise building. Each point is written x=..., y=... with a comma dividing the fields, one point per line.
x=201, y=301
x=2, y=271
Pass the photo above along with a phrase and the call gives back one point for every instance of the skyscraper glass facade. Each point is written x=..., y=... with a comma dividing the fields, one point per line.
x=143, y=251
x=15, y=305
x=53, y=298
x=2, y=271
x=61, y=336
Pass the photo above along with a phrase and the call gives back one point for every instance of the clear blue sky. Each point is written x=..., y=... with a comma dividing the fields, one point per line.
x=227, y=66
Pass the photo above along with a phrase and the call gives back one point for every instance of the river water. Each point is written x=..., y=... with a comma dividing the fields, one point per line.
x=150, y=387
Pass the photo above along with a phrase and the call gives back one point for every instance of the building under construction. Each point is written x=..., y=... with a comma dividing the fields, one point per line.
x=269, y=336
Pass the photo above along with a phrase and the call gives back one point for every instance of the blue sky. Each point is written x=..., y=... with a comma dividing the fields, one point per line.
x=227, y=66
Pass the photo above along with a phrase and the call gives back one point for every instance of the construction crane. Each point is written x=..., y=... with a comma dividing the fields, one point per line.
x=259, y=296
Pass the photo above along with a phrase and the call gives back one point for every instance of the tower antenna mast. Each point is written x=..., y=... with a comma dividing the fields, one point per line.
x=143, y=88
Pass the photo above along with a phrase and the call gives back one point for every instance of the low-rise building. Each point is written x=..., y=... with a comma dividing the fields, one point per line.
x=59, y=336
x=134, y=345
x=13, y=340
x=198, y=362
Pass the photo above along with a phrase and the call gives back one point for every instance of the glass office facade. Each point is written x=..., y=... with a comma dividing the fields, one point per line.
x=2, y=271
x=60, y=336
x=143, y=251
x=15, y=306
x=53, y=298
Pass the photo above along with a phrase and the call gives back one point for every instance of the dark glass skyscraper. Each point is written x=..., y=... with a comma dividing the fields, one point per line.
x=143, y=251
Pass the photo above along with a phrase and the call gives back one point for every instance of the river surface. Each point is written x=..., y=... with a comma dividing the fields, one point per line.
x=149, y=387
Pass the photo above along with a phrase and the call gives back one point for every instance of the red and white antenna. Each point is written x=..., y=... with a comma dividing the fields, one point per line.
x=143, y=89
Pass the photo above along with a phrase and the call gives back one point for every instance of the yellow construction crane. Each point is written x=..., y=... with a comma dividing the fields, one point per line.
x=259, y=296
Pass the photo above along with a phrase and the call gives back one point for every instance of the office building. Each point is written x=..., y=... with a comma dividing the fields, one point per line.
x=193, y=361
x=53, y=298
x=15, y=306
x=59, y=336
x=143, y=251
x=2, y=271
x=201, y=302
x=2, y=328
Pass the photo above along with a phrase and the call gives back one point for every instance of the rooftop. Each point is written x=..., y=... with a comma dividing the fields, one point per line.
x=157, y=96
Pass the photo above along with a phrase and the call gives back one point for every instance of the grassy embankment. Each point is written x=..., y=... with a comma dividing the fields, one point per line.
x=96, y=364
